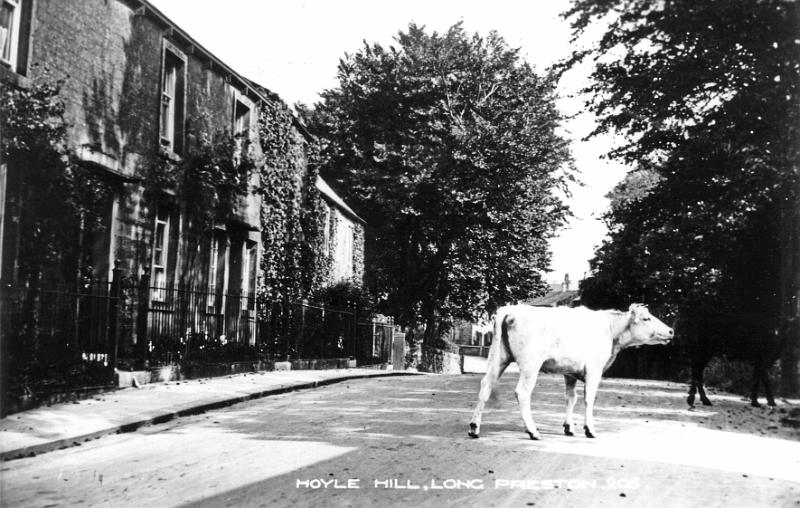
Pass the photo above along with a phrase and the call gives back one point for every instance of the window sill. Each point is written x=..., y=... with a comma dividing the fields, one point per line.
x=169, y=154
x=9, y=76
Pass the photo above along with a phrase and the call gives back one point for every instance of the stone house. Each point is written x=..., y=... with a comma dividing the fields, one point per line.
x=140, y=93
x=343, y=236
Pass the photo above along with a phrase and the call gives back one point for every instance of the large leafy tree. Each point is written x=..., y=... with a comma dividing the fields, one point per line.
x=706, y=95
x=447, y=144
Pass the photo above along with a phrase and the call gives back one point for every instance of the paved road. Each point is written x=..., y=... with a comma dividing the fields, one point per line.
x=403, y=441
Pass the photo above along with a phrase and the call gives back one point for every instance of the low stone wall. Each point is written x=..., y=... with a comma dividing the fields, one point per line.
x=439, y=361
x=178, y=372
x=322, y=363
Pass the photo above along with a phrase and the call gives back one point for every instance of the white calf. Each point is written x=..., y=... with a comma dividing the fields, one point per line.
x=577, y=342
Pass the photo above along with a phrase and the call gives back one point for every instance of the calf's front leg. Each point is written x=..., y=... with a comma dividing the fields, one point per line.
x=527, y=381
x=495, y=370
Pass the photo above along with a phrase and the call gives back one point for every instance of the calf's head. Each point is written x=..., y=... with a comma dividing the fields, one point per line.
x=645, y=329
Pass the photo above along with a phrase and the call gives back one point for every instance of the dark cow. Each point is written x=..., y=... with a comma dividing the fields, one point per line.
x=753, y=338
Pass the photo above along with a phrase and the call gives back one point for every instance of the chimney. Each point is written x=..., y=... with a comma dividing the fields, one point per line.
x=565, y=285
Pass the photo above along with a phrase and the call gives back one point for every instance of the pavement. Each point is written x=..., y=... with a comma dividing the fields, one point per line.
x=44, y=429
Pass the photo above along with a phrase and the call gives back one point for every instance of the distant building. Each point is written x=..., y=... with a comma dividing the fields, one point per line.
x=560, y=295
x=344, y=236
x=473, y=339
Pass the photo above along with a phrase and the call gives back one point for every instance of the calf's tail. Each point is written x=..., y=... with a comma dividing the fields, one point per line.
x=500, y=342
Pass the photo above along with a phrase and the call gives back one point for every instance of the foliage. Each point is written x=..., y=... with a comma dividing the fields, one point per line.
x=54, y=199
x=211, y=179
x=345, y=294
x=705, y=95
x=447, y=146
x=291, y=215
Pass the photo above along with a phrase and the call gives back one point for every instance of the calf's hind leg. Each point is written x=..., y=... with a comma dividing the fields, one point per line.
x=591, y=384
x=572, y=397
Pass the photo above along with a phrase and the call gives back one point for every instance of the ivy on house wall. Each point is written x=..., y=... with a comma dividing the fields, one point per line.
x=209, y=184
x=293, y=264
x=317, y=257
x=54, y=206
x=358, y=253
x=210, y=181
x=54, y=202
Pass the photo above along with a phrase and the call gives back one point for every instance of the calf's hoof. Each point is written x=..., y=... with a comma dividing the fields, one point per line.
x=473, y=431
x=690, y=400
x=771, y=403
x=707, y=402
x=588, y=432
x=534, y=437
x=755, y=403
x=568, y=430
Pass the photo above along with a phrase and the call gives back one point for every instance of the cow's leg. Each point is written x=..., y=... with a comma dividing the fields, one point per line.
x=572, y=397
x=591, y=384
x=496, y=365
x=767, y=387
x=692, y=391
x=701, y=367
x=761, y=375
x=527, y=381
x=697, y=366
x=757, y=371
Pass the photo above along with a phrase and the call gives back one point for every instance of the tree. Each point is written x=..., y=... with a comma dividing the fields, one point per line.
x=706, y=94
x=447, y=145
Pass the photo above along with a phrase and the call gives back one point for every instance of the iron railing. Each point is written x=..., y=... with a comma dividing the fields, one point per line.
x=64, y=333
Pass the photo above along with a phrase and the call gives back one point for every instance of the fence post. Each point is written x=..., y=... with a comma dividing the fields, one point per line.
x=301, y=334
x=287, y=334
x=143, y=313
x=116, y=303
x=355, y=329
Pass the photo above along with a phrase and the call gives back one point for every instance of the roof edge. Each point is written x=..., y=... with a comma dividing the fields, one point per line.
x=326, y=191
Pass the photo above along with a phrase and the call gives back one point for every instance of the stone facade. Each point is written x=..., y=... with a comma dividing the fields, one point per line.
x=140, y=93
x=114, y=57
x=344, y=238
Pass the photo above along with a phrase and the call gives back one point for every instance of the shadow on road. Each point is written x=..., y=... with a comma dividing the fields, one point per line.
x=370, y=442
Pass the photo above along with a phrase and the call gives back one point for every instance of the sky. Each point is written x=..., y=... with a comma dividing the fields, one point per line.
x=294, y=47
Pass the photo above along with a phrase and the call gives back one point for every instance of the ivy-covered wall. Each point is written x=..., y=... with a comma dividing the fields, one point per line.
x=291, y=229
x=298, y=245
x=358, y=253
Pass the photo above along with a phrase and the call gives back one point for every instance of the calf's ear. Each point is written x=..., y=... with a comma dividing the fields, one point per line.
x=636, y=312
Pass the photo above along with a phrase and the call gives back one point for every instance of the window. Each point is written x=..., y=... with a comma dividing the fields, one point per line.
x=160, y=253
x=212, y=265
x=326, y=229
x=249, y=272
x=218, y=271
x=172, y=100
x=9, y=31
x=241, y=120
x=343, y=260
x=241, y=128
